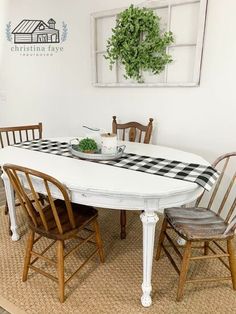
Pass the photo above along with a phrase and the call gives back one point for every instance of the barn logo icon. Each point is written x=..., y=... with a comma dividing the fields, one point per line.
x=36, y=32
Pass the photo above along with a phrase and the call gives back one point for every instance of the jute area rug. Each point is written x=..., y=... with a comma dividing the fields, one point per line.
x=112, y=287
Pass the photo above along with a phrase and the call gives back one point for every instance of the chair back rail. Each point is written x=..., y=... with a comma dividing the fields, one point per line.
x=35, y=210
x=136, y=130
x=17, y=134
x=223, y=161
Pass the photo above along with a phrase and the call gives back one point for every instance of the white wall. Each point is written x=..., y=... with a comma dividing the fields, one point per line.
x=57, y=90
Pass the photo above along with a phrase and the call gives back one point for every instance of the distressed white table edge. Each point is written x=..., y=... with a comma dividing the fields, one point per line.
x=150, y=203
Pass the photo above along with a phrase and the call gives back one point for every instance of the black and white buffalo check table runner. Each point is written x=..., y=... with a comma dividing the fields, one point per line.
x=205, y=176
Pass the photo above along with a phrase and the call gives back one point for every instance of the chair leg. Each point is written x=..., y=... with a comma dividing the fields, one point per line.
x=161, y=238
x=9, y=226
x=184, y=270
x=42, y=199
x=99, y=241
x=206, y=248
x=29, y=247
x=123, y=224
x=60, y=270
x=6, y=210
x=232, y=261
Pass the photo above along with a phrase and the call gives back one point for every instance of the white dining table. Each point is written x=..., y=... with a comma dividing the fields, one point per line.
x=111, y=187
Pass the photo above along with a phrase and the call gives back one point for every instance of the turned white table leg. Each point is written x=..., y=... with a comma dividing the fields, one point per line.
x=11, y=206
x=149, y=220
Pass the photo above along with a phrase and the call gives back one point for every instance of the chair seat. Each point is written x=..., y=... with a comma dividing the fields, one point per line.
x=83, y=215
x=197, y=223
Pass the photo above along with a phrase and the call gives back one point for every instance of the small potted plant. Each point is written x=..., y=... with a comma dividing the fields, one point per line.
x=88, y=145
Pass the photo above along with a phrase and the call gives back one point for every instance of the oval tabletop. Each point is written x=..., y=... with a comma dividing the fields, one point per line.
x=108, y=186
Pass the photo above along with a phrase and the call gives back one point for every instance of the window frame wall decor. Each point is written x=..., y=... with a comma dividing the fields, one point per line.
x=195, y=70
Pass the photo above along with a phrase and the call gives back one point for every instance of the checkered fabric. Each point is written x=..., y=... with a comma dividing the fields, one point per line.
x=47, y=146
x=204, y=176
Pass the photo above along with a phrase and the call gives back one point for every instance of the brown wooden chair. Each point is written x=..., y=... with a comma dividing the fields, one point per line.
x=136, y=132
x=204, y=224
x=133, y=132
x=19, y=134
x=59, y=220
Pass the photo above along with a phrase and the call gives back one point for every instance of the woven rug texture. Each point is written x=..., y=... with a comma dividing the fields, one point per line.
x=112, y=287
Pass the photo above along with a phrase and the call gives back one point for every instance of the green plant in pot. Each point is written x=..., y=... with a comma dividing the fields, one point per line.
x=87, y=145
x=138, y=43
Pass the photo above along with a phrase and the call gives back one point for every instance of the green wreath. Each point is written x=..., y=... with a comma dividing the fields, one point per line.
x=138, y=43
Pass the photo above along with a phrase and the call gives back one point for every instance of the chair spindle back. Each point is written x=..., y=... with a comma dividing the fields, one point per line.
x=18, y=134
x=136, y=130
x=21, y=179
x=223, y=190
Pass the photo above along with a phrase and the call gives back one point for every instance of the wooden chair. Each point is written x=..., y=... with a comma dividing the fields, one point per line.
x=203, y=224
x=19, y=134
x=136, y=132
x=59, y=220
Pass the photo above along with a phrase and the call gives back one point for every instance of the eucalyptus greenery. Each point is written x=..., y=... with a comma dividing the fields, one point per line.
x=8, y=31
x=138, y=43
x=64, y=32
x=87, y=145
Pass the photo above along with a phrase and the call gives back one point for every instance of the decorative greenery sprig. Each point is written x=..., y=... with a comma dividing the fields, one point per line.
x=87, y=145
x=138, y=43
x=8, y=31
x=64, y=32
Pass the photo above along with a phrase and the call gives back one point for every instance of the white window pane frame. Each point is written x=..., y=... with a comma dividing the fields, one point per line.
x=157, y=4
